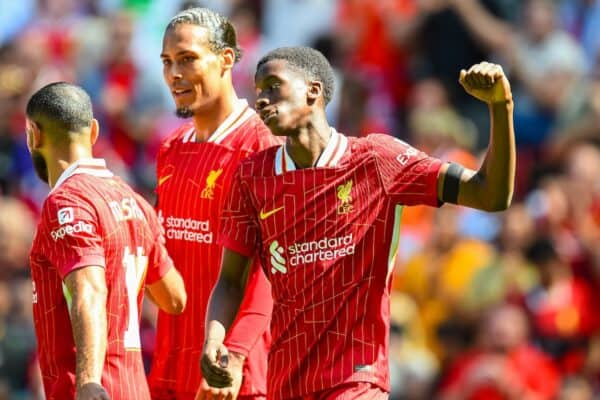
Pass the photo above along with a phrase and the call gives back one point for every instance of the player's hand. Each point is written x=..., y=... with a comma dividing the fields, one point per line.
x=207, y=392
x=486, y=82
x=91, y=391
x=213, y=364
x=235, y=365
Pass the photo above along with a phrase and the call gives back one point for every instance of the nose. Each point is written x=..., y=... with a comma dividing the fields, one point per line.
x=172, y=73
x=261, y=102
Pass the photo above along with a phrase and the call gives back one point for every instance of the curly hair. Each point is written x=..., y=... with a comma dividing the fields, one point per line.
x=307, y=60
x=221, y=31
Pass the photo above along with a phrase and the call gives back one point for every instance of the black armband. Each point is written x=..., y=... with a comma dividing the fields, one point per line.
x=451, y=183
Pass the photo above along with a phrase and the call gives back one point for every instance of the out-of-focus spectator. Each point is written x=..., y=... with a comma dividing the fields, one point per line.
x=445, y=46
x=581, y=18
x=504, y=366
x=546, y=62
x=437, y=276
x=510, y=276
x=563, y=308
x=16, y=234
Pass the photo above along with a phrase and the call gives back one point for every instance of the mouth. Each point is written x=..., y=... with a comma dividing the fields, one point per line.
x=266, y=115
x=179, y=93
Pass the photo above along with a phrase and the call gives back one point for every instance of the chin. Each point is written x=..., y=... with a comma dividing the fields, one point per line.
x=184, y=112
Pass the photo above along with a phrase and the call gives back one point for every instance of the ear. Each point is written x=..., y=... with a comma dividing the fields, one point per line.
x=315, y=90
x=94, y=131
x=227, y=58
x=34, y=135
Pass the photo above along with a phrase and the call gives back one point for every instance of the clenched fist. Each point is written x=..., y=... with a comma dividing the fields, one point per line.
x=486, y=82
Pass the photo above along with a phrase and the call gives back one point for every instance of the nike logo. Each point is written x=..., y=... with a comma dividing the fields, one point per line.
x=163, y=179
x=265, y=215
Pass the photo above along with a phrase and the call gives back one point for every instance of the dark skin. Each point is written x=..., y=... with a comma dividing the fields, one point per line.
x=87, y=285
x=293, y=106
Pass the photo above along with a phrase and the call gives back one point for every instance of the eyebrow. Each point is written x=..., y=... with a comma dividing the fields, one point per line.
x=179, y=53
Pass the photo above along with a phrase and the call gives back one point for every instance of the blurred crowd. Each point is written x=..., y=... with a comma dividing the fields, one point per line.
x=484, y=306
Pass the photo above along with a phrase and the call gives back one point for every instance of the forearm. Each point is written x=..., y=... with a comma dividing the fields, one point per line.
x=254, y=314
x=499, y=164
x=88, y=318
x=491, y=31
x=223, y=306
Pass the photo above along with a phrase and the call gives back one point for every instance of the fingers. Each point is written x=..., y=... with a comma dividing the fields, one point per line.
x=214, y=374
x=481, y=76
x=206, y=392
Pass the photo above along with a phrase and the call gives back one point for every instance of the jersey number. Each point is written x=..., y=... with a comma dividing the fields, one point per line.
x=135, y=270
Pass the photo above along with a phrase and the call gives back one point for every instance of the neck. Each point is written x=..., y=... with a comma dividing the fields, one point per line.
x=306, y=146
x=59, y=161
x=208, y=119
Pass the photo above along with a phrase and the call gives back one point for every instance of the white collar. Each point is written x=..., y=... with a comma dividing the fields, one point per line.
x=240, y=114
x=89, y=166
x=330, y=157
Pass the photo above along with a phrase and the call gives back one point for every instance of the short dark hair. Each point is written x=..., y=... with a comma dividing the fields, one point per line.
x=309, y=61
x=60, y=107
x=221, y=31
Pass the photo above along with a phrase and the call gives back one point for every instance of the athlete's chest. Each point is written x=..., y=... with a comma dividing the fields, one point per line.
x=196, y=174
x=313, y=218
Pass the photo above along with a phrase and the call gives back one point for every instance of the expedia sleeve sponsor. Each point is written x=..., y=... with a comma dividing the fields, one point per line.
x=71, y=229
x=188, y=229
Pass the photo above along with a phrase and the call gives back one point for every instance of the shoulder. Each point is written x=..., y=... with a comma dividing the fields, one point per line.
x=260, y=163
x=176, y=135
x=255, y=135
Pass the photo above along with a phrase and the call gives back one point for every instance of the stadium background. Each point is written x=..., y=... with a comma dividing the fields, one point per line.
x=476, y=296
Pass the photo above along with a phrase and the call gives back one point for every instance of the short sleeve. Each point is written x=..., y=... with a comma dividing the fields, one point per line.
x=72, y=233
x=408, y=175
x=159, y=261
x=239, y=229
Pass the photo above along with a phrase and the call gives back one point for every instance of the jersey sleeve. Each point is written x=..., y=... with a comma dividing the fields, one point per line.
x=408, y=175
x=72, y=233
x=239, y=229
x=254, y=315
x=159, y=261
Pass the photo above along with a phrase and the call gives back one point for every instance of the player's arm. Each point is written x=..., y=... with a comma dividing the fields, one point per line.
x=491, y=187
x=168, y=293
x=223, y=307
x=87, y=288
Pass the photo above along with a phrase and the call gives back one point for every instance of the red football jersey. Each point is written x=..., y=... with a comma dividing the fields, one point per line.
x=92, y=218
x=328, y=237
x=193, y=180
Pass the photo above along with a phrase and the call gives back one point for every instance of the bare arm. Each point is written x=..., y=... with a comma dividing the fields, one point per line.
x=221, y=369
x=494, y=33
x=87, y=288
x=491, y=187
x=168, y=293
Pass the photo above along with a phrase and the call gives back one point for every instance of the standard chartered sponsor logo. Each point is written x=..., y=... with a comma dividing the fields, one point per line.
x=188, y=229
x=277, y=260
x=325, y=249
x=65, y=230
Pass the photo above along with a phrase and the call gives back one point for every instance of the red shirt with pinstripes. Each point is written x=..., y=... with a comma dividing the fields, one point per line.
x=92, y=218
x=193, y=181
x=328, y=236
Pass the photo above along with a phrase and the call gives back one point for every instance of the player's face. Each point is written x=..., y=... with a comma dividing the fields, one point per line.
x=282, y=97
x=37, y=159
x=192, y=71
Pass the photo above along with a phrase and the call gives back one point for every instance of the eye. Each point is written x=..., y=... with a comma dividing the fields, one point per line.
x=166, y=62
x=187, y=59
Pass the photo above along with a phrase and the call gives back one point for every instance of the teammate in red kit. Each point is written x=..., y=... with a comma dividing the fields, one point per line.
x=323, y=211
x=194, y=170
x=97, y=245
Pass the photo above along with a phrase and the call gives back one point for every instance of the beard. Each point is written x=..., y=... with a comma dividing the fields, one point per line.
x=184, y=112
x=39, y=165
